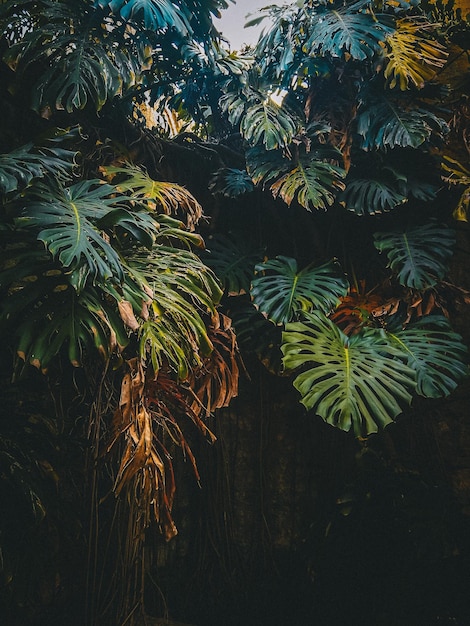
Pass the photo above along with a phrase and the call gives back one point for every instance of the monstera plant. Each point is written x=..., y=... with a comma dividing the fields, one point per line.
x=362, y=139
x=98, y=266
x=329, y=240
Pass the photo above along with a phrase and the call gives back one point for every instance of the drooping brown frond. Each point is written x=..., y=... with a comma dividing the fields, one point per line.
x=170, y=406
x=215, y=383
x=145, y=471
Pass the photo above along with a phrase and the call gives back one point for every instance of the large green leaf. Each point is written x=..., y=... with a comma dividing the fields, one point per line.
x=71, y=57
x=183, y=292
x=312, y=179
x=418, y=255
x=435, y=352
x=19, y=167
x=357, y=382
x=231, y=182
x=65, y=220
x=267, y=123
x=52, y=317
x=156, y=195
x=155, y=14
x=352, y=30
x=384, y=123
x=378, y=193
x=281, y=291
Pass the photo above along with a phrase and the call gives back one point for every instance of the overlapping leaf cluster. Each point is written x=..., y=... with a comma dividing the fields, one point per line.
x=361, y=129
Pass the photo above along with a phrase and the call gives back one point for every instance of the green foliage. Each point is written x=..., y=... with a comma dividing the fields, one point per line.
x=280, y=291
x=436, y=353
x=267, y=123
x=418, y=255
x=369, y=196
x=357, y=382
x=66, y=219
x=310, y=179
x=155, y=14
x=233, y=260
x=350, y=30
x=383, y=123
x=184, y=290
x=231, y=182
x=19, y=167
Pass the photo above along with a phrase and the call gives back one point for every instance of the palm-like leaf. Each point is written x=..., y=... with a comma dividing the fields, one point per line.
x=51, y=316
x=352, y=30
x=418, y=255
x=68, y=52
x=183, y=291
x=281, y=291
x=413, y=56
x=311, y=179
x=436, y=353
x=233, y=261
x=359, y=382
x=369, y=196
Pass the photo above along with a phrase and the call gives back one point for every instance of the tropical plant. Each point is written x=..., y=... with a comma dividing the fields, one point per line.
x=98, y=270
x=107, y=288
x=363, y=83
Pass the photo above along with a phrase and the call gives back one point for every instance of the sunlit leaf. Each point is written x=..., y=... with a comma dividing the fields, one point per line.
x=357, y=382
x=280, y=291
x=312, y=179
x=413, y=55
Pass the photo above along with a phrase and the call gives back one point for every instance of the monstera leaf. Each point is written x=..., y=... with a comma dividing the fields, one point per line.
x=280, y=291
x=358, y=382
x=418, y=255
x=231, y=182
x=383, y=124
x=310, y=179
x=19, y=167
x=69, y=57
x=78, y=323
x=183, y=291
x=156, y=15
x=352, y=31
x=233, y=260
x=156, y=195
x=379, y=193
x=435, y=352
x=413, y=56
x=64, y=218
x=267, y=123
